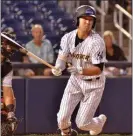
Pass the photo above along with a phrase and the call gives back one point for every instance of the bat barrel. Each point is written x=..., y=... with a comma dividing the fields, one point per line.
x=19, y=47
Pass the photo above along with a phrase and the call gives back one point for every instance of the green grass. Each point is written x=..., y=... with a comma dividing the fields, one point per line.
x=79, y=135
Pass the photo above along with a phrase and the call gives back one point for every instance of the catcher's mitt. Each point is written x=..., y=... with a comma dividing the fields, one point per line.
x=8, y=127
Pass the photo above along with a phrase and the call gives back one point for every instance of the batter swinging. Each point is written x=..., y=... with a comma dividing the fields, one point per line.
x=87, y=81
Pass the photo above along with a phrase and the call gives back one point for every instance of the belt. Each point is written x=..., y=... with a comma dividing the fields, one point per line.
x=92, y=79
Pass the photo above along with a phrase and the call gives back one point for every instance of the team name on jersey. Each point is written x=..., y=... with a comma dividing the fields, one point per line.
x=80, y=56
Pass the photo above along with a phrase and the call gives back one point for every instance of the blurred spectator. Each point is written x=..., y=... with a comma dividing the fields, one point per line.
x=113, y=53
x=41, y=48
x=128, y=6
x=10, y=30
x=17, y=56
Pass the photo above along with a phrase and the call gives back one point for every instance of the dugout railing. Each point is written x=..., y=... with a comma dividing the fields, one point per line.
x=118, y=22
x=102, y=13
x=118, y=64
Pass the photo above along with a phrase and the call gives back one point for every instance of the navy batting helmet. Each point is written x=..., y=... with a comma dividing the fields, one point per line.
x=85, y=10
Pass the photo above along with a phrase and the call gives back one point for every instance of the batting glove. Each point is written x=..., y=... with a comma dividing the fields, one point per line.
x=57, y=71
x=73, y=70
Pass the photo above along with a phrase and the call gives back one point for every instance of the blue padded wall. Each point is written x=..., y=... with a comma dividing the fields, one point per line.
x=117, y=105
x=38, y=101
x=43, y=98
x=19, y=91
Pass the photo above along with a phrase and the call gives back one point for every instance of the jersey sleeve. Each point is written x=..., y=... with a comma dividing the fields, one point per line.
x=64, y=47
x=7, y=80
x=98, y=52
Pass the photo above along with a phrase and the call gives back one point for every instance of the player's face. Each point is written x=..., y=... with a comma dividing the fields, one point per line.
x=37, y=33
x=108, y=41
x=85, y=23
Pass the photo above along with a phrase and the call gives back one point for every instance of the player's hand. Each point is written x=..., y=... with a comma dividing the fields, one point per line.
x=56, y=71
x=73, y=70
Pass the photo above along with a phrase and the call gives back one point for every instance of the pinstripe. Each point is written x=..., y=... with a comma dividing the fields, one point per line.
x=70, y=99
x=88, y=108
x=88, y=93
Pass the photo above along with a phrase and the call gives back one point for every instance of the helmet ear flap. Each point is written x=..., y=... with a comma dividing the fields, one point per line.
x=77, y=21
x=94, y=23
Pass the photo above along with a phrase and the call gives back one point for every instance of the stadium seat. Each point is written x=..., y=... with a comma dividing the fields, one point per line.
x=44, y=23
x=24, y=14
x=16, y=25
x=6, y=2
x=51, y=5
x=8, y=16
x=57, y=12
x=4, y=10
x=53, y=38
x=36, y=2
x=38, y=16
x=23, y=37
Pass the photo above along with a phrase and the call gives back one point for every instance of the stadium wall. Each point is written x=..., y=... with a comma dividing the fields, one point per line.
x=38, y=101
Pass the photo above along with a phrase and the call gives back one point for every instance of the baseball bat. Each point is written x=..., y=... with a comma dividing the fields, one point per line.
x=19, y=47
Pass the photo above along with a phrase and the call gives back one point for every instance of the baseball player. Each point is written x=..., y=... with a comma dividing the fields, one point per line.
x=8, y=98
x=86, y=49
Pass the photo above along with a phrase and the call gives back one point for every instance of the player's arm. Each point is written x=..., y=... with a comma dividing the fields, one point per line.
x=63, y=53
x=98, y=58
x=62, y=57
x=95, y=69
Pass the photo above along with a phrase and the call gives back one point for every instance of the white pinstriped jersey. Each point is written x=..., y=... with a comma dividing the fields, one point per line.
x=91, y=51
x=87, y=92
